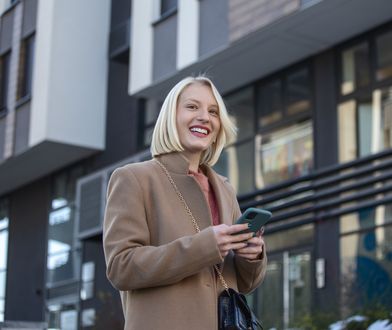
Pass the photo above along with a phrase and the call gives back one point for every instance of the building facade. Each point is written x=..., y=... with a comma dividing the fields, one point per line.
x=309, y=85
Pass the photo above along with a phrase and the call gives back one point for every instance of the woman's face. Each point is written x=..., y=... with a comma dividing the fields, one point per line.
x=198, y=121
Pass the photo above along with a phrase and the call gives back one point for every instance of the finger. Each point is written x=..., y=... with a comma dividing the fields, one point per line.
x=255, y=240
x=240, y=237
x=238, y=246
x=237, y=228
x=248, y=256
x=251, y=249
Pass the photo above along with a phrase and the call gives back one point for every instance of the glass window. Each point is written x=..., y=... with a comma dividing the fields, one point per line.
x=384, y=56
x=366, y=218
x=63, y=317
x=63, y=262
x=365, y=125
x=168, y=6
x=270, y=100
x=88, y=277
x=284, y=154
x=26, y=67
x=298, y=92
x=290, y=238
x=236, y=163
x=347, y=131
x=285, y=295
x=148, y=112
x=3, y=254
x=64, y=187
x=366, y=270
x=355, y=68
x=4, y=80
x=241, y=111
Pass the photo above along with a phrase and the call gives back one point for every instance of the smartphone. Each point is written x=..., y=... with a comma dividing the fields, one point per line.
x=257, y=218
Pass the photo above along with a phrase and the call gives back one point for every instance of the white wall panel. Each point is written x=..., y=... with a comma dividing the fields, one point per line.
x=141, y=53
x=70, y=73
x=187, y=33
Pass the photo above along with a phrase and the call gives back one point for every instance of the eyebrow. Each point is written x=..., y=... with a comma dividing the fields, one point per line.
x=198, y=102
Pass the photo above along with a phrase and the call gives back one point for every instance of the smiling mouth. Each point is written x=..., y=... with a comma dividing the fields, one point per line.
x=199, y=130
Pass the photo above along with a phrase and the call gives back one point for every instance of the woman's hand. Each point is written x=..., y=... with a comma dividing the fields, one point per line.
x=227, y=241
x=254, y=247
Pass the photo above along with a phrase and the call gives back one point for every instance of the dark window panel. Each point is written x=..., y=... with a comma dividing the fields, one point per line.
x=4, y=80
x=270, y=99
x=355, y=68
x=26, y=59
x=384, y=56
x=167, y=6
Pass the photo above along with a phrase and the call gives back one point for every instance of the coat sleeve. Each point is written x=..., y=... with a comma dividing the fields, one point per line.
x=132, y=263
x=250, y=273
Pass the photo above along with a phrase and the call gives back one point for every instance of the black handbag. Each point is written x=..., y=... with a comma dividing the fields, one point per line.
x=234, y=312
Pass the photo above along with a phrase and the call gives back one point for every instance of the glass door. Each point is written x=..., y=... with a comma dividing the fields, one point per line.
x=285, y=295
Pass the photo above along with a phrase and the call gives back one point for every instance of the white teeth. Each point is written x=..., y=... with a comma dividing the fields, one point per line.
x=199, y=130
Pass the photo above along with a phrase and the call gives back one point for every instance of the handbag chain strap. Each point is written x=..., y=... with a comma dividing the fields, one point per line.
x=189, y=212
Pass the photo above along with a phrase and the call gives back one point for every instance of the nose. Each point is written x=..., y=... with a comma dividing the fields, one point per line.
x=203, y=115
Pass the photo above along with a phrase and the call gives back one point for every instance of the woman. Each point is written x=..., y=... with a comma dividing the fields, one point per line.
x=161, y=266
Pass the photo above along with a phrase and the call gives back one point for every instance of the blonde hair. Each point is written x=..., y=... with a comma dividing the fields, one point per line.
x=165, y=138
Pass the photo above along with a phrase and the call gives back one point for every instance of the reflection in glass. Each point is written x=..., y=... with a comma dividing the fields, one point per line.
x=365, y=125
x=384, y=56
x=3, y=249
x=88, y=317
x=63, y=266
x=355, y=68
x=284, y=154
x=69, y=320
x=236, y=163
x=365, y=121
x=298, y=92
x=298, y=236
x=270, y=296
x=88, y=271
x=366, y=218
x=61, y=226
x=2, y=284
x=3, y=254
x=64, y=187
x=366, y=270
x=299, y=286
x=87, y=290
x=347, y=131
x=270, y=103
x=241, y=110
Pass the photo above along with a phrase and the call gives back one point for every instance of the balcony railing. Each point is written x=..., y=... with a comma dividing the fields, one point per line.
x=327, y=193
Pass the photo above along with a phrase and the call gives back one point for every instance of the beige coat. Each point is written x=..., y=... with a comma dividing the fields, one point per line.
x=163, y=269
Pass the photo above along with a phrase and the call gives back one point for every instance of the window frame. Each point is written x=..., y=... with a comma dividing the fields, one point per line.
x=25, y=70
x=5, y=62
x=287, y=119
x=364, y=92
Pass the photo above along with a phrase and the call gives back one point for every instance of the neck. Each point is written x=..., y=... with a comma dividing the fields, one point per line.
x=194, y=161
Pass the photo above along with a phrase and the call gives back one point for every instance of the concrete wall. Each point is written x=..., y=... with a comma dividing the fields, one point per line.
x=70, y=73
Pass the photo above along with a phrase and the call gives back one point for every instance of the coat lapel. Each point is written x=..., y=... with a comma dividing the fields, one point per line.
x=178, y=168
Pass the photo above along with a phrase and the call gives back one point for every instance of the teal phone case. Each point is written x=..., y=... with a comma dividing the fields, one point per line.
x=256, y=218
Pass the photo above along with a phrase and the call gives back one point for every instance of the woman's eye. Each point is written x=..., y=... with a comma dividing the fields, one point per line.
x=191, y=106
x=214, y=112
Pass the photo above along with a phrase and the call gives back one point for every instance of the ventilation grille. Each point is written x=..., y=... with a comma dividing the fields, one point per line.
x=90, y=204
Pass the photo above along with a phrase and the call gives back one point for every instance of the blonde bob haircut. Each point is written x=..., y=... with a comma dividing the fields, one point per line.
x=165, y=138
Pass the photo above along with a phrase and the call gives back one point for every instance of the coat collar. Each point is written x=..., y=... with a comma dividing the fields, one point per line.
x=178, y=165
x=175, y=162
